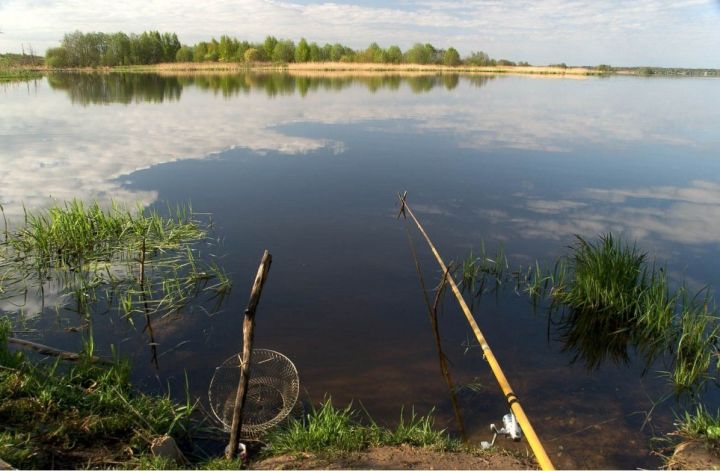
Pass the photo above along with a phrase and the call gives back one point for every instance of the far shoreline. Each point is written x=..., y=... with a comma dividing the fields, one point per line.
x=320, y=68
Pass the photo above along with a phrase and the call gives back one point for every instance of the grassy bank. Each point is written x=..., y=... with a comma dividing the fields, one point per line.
x=18, y=75
x=20, y=67
x=56, y=415
x=60, y=416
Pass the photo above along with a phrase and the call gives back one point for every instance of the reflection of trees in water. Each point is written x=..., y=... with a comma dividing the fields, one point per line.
x=126, y=88
x=93, y=89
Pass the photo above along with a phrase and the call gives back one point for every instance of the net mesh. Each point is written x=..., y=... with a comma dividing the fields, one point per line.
x=271, y=395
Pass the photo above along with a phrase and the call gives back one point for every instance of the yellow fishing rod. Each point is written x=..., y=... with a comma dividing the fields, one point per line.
x=510, y=396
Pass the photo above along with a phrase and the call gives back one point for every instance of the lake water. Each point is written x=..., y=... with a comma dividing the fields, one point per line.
x=309, y=168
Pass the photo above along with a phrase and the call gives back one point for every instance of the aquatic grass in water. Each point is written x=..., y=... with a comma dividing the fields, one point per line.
x=694, y=344
x=611, y=300
x=606, y=283
x=475, y=272
x=75, y=234
x=136, y=262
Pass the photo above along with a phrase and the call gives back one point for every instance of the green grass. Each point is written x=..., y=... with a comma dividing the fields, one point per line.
x=56, y=415
x=75, y=234
x=606, y=283
x=329, y=430
x=477, y=270
x=12, y=60
x=699, y=423
x=694, y=342
x=610, y=302
x=17, y=67
x=18, y=75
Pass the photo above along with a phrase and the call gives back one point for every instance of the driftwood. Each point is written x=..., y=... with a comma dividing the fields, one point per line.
x=54, y=352
x=248, y=334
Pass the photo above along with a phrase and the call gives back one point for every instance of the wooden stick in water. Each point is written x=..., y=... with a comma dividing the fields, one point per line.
x=248, y=333
x=50, y=351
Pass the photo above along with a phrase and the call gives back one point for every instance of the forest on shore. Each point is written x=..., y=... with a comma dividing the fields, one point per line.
x=96, y=49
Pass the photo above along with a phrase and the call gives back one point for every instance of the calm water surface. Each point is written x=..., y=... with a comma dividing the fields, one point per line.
x=309, y=168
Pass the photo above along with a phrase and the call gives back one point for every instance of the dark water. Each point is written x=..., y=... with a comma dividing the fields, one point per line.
x=309, y=168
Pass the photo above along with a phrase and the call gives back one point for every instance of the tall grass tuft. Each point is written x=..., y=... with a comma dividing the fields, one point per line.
x=606, y=280
x=328, y=429
x=694, y=344
x=612, y=300
x=325, y=428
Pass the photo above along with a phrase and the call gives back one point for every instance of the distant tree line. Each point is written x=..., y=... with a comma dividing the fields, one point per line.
x=101, y=49
x=151, y=47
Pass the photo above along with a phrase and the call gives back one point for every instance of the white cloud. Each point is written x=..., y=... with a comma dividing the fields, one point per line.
x=661, y=32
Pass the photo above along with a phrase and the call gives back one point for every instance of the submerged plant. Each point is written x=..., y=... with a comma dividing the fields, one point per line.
x=476, y=272
x=136, y=262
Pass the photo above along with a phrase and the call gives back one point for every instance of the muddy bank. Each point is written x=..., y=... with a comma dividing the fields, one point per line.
x=695, y=454
x=402, y=457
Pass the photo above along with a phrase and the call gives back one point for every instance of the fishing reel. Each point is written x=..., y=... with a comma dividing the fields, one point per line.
x=511, y=428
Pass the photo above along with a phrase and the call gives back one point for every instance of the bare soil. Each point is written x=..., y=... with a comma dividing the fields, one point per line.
x=402, y=457
x=695, y=454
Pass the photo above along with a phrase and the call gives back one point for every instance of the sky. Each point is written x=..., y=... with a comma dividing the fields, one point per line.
x=682, y=33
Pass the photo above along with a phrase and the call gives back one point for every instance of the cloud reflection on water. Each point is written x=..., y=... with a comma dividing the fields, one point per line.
x=685, y=214
x=55, y=149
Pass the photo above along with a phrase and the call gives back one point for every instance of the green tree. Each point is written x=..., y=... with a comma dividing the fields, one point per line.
x=240, y=51
x=373, y=53
x=327, y=52
x=213, y=51
x=56, y=57
x=199, y=51
x=302, y=51
x=451, y=57
x=269, y=46
x=284, y=51
x=184, y=54
x=336, y=52
x=170, y=46
x=316, y=54
x=227, y=48
x=478, y=58
x=418, y=54
x=118, y=50
x=253, y=55
x=434, y=56
x=394, y=55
